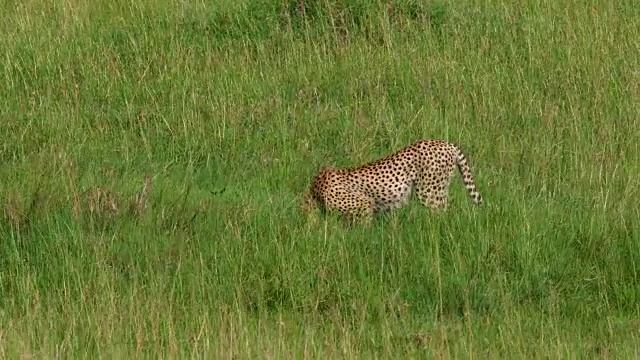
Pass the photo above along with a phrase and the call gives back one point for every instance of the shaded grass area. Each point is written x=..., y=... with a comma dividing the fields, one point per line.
x=155, y=156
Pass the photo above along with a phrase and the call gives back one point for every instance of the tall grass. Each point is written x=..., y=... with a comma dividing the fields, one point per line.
x=227, y=109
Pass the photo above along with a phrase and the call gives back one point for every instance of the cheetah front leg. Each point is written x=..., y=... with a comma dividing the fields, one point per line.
x=354, y=206
x=309, y=202
x=361, y=212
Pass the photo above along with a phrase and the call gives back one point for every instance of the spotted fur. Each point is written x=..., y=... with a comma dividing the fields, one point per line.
x=425, y=167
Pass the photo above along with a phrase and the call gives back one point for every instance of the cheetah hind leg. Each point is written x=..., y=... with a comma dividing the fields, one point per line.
x=426, y=196
x=434, y=196
x=442, y=192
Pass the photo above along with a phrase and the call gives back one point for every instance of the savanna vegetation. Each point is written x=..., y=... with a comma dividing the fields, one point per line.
x=155, y=153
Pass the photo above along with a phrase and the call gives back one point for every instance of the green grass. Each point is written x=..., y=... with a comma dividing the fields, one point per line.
x=232, y=107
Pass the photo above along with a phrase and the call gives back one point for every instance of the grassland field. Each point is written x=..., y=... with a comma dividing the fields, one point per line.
x=155, y=153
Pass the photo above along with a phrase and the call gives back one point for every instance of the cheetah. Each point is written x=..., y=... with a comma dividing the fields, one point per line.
x=426, y=166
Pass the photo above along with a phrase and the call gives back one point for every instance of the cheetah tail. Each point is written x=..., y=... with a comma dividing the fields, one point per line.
x=467, y=178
